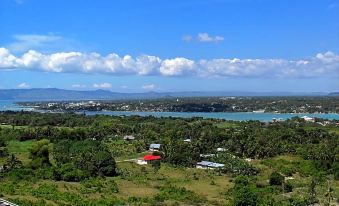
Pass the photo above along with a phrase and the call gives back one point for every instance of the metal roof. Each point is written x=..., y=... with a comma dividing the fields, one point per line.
x=210, y=164
x=151, y=157
x=131, y=137
x=6, y=203
x=154, y=146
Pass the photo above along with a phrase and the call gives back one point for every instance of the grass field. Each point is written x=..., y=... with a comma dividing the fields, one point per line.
x=11, y=127
x=20, y=149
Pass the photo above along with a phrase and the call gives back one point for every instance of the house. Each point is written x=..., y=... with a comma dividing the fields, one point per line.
x=207, y=155
x=141, y=162
x=219, y=149
x=209, y=165
x=6, y=203
x=187, y=140
x=129, y=137
x=148, y=159
x=308, y=119
x=277, y=119
x=154, y=147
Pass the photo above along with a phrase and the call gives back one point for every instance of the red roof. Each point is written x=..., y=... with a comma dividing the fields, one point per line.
x=151, y=157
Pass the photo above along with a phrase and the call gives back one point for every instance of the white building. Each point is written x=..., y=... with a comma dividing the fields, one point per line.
x=308, y=119
x=209, y=165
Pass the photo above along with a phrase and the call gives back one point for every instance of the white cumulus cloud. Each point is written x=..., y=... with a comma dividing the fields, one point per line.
x=321, y=65
x=176, y=67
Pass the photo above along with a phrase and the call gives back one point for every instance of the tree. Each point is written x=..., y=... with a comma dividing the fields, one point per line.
x=312, y=191
x=39, y=153
x=244, y=194
x=11, y=163
x=91, y=157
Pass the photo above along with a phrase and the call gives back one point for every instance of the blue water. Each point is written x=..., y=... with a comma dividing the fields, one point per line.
x=236, y=116
x=9, y=105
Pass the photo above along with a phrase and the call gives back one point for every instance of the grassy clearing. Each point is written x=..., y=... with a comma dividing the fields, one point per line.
x=205, y=183
x=8, y=126
x=20, y=149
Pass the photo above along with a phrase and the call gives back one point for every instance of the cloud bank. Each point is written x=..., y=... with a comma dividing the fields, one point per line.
x=321, y=65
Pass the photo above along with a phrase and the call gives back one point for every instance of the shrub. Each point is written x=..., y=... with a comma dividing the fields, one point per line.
x=276, y=179
x=244, y=193
x=68, y=172
x=288, y=187
x=3, y=152
x=179, y=194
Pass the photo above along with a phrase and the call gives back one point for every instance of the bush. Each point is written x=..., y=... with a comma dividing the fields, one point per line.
x=39, y=154
x=288, y=187
x=276, y=179
x=68, y=172
x=179, y=194
x=3, y=152
x=244, y=194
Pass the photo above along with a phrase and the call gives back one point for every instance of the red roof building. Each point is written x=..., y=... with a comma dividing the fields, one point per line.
x=151, y=157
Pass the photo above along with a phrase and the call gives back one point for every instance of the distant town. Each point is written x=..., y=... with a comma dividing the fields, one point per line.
x=321, y=104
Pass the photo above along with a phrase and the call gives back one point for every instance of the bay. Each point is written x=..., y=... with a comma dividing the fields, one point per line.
x=236, y=116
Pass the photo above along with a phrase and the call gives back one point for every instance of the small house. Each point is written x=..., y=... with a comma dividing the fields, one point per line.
x=187, y=140
x=149, y=158
x=308, y=119
x=207, y=155
x=219, y=149
x=209, y=165
x=129, y=137
x=154, y=147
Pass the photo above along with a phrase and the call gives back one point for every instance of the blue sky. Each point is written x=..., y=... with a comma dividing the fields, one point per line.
x=137, y=46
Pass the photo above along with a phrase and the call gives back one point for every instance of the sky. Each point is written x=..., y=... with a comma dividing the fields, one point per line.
x=169, y=46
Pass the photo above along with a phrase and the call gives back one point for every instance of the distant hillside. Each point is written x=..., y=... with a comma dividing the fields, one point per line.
x=334, y=94
x=62, y=94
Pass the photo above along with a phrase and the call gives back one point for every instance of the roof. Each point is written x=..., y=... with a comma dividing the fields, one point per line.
x=219, y=149
x=126, y=137
x=6, y=203
x=207, y=155
x=151, y=157
x=187, y=140
x=154, y=146
x=210, y=164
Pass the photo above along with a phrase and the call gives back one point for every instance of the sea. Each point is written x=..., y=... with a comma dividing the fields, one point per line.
x=236, y=116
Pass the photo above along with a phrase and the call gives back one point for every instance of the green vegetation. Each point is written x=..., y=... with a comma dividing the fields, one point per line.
x=69, y=159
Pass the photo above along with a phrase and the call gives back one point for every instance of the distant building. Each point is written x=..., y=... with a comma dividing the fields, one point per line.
x=219, y=149
x=207, y=155
x=154, y=147
x=308, y=119
x=209, y=165
x=187, y=140
x=129, y=137
x=277, y=119
x=259, y=111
